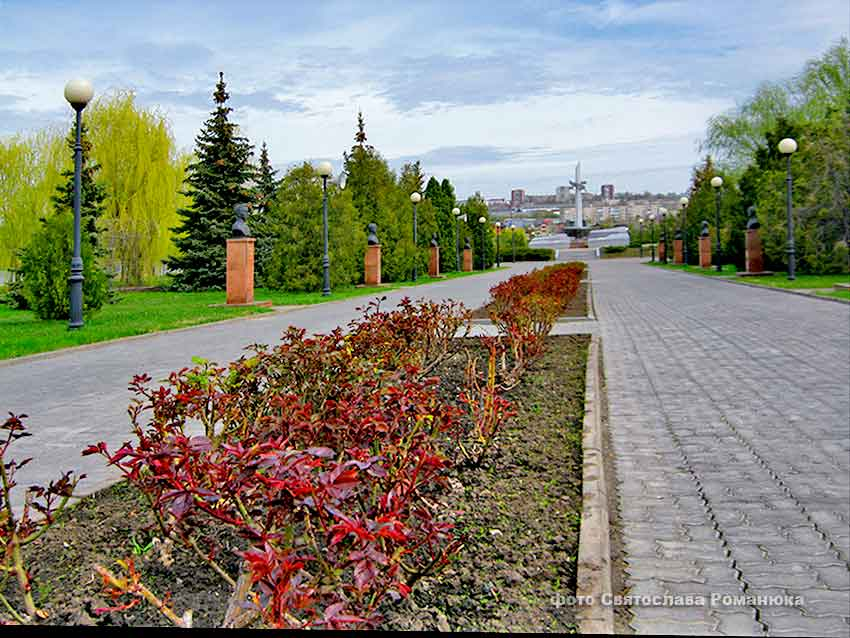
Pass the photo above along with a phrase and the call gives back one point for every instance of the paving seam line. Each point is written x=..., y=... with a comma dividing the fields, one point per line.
x=594, y=580
x=789, y=291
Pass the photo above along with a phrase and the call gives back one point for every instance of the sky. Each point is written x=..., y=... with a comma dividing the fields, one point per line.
x=492, y=94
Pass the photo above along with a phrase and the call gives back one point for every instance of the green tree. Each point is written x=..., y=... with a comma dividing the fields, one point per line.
x=295, y=217
x=92, y=192
x=46, y=260
x=30, y=171
x=265, y=190
x=217, y=181
x=441, y=197
x=447, y=224
x=481, y=236
x=142, y=173
x=46, y=267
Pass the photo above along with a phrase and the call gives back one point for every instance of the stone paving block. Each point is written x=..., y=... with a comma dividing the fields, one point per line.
x=662, y=627
x=737, y=623
x=720, y=401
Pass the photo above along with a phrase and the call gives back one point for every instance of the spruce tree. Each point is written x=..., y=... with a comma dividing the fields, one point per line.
x=46, y=260
x=217, y=181
x=265, y=189
x=92, y=193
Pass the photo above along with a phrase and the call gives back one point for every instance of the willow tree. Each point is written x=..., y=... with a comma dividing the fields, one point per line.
x=143, y=173
x=30, y=171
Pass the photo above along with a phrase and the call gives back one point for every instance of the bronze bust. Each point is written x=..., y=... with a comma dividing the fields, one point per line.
x=240, y=226
x=372, y=236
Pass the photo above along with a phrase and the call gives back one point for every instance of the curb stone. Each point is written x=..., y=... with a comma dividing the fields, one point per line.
x=594, y=547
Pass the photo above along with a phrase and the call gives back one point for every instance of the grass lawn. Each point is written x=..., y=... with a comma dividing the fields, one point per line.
x=801, y=281
x=136, y=313
x=838, y=294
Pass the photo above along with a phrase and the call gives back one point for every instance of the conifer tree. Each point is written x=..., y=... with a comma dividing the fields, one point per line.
x=217, y=181
x=265, y=190
x=46, y=260
x=92, y=193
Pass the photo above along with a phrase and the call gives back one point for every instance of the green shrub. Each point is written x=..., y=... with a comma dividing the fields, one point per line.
x=12, y=294
x=614, y=250
x=529, y=254
x=46, y=266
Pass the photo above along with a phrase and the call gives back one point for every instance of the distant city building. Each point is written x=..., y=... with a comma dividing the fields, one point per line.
x=517, y=197
x=607, y=191
x=562, y=193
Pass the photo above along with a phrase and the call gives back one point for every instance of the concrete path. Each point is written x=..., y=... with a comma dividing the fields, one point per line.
x=79, y=397
x=730, y=426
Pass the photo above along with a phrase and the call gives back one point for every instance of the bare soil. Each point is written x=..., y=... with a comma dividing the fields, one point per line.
x=520, y=512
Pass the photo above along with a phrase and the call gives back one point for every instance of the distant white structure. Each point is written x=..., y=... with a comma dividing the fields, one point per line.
x=578, y=185
x=617, y=236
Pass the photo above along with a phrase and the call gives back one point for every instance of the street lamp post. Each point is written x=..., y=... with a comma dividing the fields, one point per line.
x=717, y=182
x=513, y=243
x=683, y=202
x=652, y=231
x=324, y=170
x=415, y=198
x=456, y=214
x=788, y=147
x=498, y=244
x=481, y=221
x=78, y=93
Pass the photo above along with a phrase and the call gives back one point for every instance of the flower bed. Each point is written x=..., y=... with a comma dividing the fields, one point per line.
x=317, y=490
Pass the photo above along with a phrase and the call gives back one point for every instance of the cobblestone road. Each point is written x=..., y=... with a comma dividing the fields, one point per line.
x=730, y=427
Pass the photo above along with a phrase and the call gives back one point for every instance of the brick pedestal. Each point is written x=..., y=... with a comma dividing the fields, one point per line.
x=753, y=256
x=372, y=266
x=705, y=252
x=434, y=262
x=467, y=260
x=678, y=253
x=662, y=250
x=240, y=270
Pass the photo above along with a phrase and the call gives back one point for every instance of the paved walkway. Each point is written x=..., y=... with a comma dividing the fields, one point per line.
x=79, y=397
x=730, y=427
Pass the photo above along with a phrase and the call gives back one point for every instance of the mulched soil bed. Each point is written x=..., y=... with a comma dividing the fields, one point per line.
x=576, y=308
x=521, y=511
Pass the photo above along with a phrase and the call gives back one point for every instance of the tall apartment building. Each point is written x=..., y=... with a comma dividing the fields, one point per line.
x=517, y=197
x=608, y=191
x=562, y=193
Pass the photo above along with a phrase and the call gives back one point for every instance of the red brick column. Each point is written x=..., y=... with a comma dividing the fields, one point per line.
x=372, y=265
x=661, y=250
x=240, y=270
x=434, y=262
x=705, y=252
x=678, y=255
x=467, y=260
x=753, y=255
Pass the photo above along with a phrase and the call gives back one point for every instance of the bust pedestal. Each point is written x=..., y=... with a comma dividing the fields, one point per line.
x=753, y=256
x=372, y=265
x=434, y=262
x=678, y=252
x=240, y=270
x=467, y=260
x=705, y=252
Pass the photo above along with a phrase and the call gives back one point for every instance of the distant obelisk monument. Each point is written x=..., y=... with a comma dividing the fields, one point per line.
x=578, y=185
